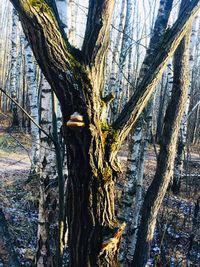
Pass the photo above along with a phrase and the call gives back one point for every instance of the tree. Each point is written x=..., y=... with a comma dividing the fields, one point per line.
x=138, y=143
x=164, y=169
x=179, y=160
x=33, y=99
x=77, y=78
x=13, y=73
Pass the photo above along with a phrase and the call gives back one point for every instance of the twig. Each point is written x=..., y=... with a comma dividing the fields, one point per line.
x=29, y=116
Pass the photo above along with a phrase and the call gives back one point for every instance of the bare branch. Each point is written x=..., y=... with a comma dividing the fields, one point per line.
x=97, y=29
x=146, y=87
x=26, y=113
x=57, y=59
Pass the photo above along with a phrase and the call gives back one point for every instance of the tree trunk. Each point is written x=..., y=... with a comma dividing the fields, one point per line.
x=33, y=100
x=163, y=99
x=178, y=168
x=125, y=46
x=47, y=214
x=157, y=189
x=95, y=234
x=13, y=71
x=72, y=16
x=141, y=135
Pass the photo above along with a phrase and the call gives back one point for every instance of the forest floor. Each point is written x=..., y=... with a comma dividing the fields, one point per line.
x=18, y=196
x=177, y=236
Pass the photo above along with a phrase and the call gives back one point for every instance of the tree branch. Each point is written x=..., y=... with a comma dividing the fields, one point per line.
x=29, y=116
x=57, y=59
x=146, y=87
x=97, y=29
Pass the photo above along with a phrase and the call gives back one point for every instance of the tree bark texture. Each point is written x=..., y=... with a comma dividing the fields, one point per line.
x=33, y=100
x=179, y=160
x=47, y=213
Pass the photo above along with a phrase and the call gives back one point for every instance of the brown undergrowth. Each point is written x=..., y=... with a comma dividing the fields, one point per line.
x=18, y=193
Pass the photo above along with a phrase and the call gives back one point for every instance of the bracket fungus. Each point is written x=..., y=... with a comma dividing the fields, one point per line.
x=76, y=121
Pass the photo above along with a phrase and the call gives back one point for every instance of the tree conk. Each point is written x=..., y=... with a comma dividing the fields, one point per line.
x=76, y=121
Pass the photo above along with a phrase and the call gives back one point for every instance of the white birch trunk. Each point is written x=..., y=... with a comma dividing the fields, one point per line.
x=72, y=15
x=126, y=44
x=47, y=203
x=115, y=53
x=5, y=56
x=139, y=140
x=34, y=105
x=132, y=196
x=13, y=70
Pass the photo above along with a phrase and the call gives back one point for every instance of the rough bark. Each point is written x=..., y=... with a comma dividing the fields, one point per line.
x=178, y=168
x=157, y=189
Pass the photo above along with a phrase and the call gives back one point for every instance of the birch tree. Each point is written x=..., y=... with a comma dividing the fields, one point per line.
x=34, y=105
x=49, y=251
x=139, y=140
x=77, y=78
x=115, y=50
x=13, y=71
x=72, y=16
x=125, y=46
x=5, y=42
